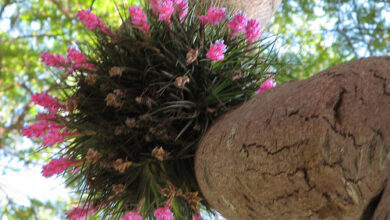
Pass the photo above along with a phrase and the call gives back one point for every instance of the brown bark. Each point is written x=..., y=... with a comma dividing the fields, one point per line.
x=312, y=149
x=382, y=210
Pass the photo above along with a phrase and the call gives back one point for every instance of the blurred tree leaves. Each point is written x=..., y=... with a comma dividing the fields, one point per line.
x=27, y=29
x=31, y=27
x=314, y=35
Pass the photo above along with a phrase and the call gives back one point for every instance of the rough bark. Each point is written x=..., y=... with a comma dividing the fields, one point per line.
x=312, y=149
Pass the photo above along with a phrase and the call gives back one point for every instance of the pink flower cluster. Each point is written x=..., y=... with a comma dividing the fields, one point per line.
x=132, y=216
x=46, y=101
x=39, y=129
x=51, y=132
x=55, y=136
x=182, y=7
x=214, y=16
x=164, y=213
x=252, y=30
x=45, y=117
x=237, y=23
x=216, y=51
x=92, y=22
x=166, y=8
x=74, y=60
x=139, y=19
x=81, y=212
x=57, y=166
x=54, y=60
x=268, y=84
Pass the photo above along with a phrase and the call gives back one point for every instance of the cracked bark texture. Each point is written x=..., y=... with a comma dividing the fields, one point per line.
x=312, y=149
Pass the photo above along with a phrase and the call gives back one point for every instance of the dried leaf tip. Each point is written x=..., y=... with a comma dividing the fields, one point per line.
x=90, y=79
x=159, y=153
x=237, y=74
x=115, y=71
x=181, y=81
x=71, y=104
x=93, y=155
x=192, y=56
x=118, y=188
x=121, y=165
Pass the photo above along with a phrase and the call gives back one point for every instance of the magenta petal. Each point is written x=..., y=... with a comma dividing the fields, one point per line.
x=268, y=84
x=163, y=213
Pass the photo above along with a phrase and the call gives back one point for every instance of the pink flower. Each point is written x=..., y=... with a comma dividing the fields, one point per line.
x=76, y=170
x=166, y=9
x=252, y=30
x=54, y=60
x=182, y=7
x=57, y=166
x=52, y=137
x=46, y=101
x=76, y=58
x=105, y=29
x=132, y=216
x=90, y=20
x=238, y=23
x=197, y=218
x=154, y=6
x=268, y=84
x=80, y=212
x=55, y=136
x=39, y=129
x=214, y=16
x=45, y=117
x=145, y=28
x=35, y=130
x=51, y=132
x=163, y=213
x=138, y=18
x=216, y=51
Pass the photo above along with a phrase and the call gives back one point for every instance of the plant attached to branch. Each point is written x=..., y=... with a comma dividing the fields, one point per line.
x=135, y=109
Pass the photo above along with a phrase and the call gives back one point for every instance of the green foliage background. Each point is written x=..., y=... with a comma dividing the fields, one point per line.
x=313, y=35
x=319, y=34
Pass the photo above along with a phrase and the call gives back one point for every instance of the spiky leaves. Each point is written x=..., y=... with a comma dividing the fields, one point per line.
x=148, y=102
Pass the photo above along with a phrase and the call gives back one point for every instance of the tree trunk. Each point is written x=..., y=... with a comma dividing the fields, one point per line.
x=312, y=149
